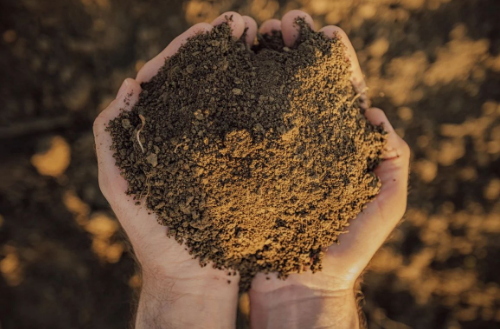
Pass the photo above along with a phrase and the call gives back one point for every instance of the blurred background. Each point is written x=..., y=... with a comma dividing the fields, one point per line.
x=432, y=65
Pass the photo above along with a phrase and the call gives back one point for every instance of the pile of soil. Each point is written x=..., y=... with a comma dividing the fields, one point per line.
x=256, y=159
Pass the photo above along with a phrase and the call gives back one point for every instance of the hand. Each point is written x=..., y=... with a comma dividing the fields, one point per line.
x=326, y=299
x=176, y=291
x=175, y=287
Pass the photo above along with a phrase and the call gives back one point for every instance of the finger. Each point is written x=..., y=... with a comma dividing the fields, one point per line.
x=150, y=69
x=269, y=26
x=234, y=20
x=110, y=181
x=357, y=78
x=112, y=184
x=396, y=146
x=290, y=28
x=251, y=30
x=392, y=172
x=374, y=224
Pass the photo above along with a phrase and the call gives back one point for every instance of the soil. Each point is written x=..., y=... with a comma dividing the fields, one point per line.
x=432, y=66
x=256, y=161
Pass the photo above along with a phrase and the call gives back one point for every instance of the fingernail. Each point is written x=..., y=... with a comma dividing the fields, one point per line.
x=122, y=90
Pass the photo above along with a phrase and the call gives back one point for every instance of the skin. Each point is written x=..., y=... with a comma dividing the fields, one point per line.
x=178, y=293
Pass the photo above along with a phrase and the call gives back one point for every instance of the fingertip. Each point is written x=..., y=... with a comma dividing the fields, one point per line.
x=251, y=29
x=396, y=147
x=333, y=31
x=377, y=117
x=234, y=20
x=128, y=88
x=127, y=96
x=269, y=26
x=290, y=28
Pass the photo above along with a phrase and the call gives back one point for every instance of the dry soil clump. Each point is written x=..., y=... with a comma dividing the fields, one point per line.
x=256, y=159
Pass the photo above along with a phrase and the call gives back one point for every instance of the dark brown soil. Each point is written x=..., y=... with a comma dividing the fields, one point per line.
x=255, y=160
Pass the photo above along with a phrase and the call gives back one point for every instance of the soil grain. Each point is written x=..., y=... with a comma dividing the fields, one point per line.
x=256, y=159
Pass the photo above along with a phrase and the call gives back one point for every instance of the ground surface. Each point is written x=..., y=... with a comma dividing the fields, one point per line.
x=433, y=65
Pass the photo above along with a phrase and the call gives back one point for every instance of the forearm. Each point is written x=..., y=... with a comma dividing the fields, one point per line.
x=178, y=305
x=298, y=307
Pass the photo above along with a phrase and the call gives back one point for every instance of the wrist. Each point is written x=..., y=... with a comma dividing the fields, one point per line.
x=203, y=302
x=301, y=307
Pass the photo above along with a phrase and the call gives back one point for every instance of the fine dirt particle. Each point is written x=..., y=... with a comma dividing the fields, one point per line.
x=255, y=159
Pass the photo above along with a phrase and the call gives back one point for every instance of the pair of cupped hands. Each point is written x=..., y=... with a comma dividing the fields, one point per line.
x=178, y=293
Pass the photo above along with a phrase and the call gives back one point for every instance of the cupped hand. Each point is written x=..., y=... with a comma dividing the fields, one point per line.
x=169, y=271
x=343, y=263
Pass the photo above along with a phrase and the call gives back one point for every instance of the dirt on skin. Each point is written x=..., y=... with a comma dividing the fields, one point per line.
x=255, y=159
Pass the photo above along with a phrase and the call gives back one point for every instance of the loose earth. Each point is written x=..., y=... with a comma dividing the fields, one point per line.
x=256, y=159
